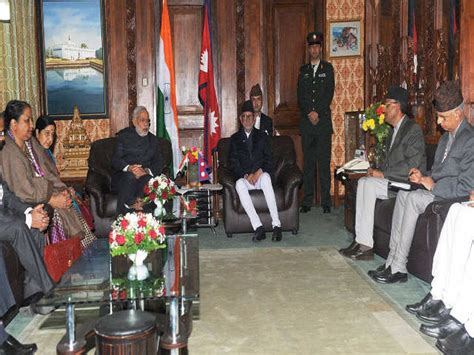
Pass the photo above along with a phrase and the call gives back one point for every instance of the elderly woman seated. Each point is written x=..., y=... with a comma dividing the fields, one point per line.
x=29, y=173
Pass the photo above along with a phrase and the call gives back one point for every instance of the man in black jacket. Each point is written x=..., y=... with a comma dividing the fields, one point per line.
x=262, y=121
x=250, y=157
x=135, y=162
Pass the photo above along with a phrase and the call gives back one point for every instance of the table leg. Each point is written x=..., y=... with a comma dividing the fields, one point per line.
x=71, y=345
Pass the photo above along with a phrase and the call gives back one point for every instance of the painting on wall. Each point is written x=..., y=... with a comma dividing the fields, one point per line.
x=73, y=59
x=345, y=39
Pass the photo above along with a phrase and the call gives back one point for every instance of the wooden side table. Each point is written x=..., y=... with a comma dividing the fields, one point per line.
x=349, y=179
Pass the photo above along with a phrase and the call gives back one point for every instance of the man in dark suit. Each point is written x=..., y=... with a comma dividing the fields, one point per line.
x=250, y=157
x=406, y=149
x=452, y=176
x=262, y=121
x=21, y=227
x=135, y=162
x=8, y=344
x=315, y=93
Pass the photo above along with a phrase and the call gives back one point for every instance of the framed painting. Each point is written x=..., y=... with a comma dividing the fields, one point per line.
x=345, y=39
x=73, y=58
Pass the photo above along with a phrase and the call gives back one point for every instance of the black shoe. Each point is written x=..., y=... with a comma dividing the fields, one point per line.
x=359, y=254
x=259, y=234
x=353, y=245
x=443, y=329
x=305, y=209
x=380, y=270
x=13, y=346
x=277, y=236
x=326, y=209
x=459, y=343
x=387, y=277
x=435, y=313
x=417, y=307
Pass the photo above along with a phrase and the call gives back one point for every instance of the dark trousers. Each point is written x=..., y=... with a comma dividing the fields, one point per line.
x=128, y=189
x=316, y=150
x=29, y=245
x=6, y=296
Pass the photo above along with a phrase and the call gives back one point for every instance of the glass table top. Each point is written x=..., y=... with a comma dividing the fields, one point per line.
x=97, y=277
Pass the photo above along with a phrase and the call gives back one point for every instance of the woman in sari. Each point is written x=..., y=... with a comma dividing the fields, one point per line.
x=45, y=133
x=27, y=173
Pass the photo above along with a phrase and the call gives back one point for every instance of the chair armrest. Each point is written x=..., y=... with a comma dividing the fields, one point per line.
x=442, y=207
x=96, y=186
x=227, y=180
x=290, y=178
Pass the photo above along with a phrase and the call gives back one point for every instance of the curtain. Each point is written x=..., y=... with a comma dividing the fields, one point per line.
x=18, y=57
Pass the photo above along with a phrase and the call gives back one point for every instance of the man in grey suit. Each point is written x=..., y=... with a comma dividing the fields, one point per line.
x=406, y=150
x=21, y=225
x=452, y=176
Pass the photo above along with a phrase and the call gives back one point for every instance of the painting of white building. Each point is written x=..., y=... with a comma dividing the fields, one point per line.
x=72, y=51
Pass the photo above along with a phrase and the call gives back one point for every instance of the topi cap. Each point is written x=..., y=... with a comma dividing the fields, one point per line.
x=398, y=93
x=247, y=106
x=447, y=96
x=256, y=90
x=314, y=38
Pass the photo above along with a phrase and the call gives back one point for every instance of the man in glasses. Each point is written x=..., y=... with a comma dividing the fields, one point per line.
x=405, y=150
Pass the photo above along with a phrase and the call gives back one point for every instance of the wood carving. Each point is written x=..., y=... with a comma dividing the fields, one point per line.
x=240, y=65
x=131, y=56
x=76, y=147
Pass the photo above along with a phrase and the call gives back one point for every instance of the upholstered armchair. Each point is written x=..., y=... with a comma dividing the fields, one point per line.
x=287, y=179
x=102, y=201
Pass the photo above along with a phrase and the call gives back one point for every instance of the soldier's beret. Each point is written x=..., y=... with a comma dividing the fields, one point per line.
x=447, y=96
x=314, y=38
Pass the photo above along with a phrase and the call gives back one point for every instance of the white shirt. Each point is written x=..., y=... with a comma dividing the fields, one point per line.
x=315, y=68
x=257, y=122
x=395, y=131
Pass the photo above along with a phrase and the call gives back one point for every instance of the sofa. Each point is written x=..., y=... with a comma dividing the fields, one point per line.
x=287, y=179
x=103, y=202
x=427, y=231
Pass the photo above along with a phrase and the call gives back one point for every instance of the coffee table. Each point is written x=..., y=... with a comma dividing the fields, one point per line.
x=99, y=279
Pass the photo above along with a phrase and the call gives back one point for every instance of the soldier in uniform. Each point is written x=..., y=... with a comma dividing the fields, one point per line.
x=315, y=93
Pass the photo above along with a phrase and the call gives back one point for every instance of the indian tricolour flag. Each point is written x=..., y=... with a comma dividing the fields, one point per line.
x=167, y=115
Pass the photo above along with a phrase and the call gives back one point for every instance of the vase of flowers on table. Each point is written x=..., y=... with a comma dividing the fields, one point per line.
x=135, y=235
x=374, y=123
x=159, y=190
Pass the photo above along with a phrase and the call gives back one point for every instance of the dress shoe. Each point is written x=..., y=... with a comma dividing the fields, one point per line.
x=359, y=253
x=417, y=307
x=277, y=236
x=13, y=346
x=380, y=270
x=326, y=209
x=387, y=277
x=353, y=245
x=443, y=329
x=259, y=234
x=305, y=209
x=459, y=343
x=435, y=313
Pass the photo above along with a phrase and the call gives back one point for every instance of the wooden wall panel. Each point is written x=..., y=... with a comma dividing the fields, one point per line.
x=186, y=20
x=467, y=56
x=117, y=61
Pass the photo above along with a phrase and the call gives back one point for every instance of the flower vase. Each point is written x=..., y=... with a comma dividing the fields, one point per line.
x=192, y=174
x=138, y=271
x=160, y=208
x=380, y=149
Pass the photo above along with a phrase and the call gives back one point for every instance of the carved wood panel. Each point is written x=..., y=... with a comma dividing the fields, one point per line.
x=286, y=29
x=467, y=57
